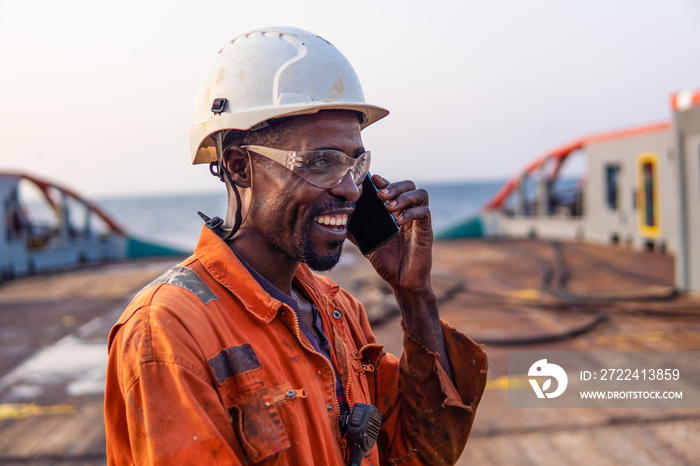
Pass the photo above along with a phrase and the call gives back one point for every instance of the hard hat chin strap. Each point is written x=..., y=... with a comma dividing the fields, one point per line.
x=219, y=170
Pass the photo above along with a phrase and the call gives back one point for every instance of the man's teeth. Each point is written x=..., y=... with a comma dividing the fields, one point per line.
x=332, y=220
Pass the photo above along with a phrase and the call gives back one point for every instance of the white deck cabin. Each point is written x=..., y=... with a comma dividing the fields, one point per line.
x=641, y=190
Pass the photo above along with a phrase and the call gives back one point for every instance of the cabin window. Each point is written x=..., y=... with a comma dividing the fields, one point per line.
x=648, y=202
x=649, y=194
x=612, y=181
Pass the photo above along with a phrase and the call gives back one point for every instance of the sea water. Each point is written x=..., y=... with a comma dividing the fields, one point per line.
x=172, y=219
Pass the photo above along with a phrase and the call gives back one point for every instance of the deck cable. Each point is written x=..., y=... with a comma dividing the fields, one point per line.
x=554, y=279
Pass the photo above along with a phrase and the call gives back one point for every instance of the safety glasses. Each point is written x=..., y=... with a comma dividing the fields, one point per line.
x=323, y=168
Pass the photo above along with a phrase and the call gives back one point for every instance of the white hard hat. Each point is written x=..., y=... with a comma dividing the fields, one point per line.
x=271, y=73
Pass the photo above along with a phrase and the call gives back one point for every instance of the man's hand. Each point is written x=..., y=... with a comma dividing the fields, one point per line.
x=405, y=260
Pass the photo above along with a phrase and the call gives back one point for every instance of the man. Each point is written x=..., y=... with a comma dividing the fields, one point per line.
x=241, y=355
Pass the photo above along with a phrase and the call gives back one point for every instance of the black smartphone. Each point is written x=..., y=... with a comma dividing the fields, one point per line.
x=371, y=224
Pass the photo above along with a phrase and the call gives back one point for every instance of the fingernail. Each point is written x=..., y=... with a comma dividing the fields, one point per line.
x=400, y=219
x=384, y=191
x=391, y=203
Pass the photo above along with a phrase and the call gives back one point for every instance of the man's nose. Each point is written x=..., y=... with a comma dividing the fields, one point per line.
x=347, y=189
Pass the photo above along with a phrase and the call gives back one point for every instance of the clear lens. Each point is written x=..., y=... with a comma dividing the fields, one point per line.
x=322, y=168
x=326, y=168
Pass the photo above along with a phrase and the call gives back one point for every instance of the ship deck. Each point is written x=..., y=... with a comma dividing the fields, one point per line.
x=508, y=295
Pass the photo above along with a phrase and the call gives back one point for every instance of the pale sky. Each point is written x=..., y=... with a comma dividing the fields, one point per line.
x=98, y=95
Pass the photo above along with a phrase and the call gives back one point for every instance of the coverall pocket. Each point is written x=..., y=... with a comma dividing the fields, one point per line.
x=368, y=361
x=259, y=426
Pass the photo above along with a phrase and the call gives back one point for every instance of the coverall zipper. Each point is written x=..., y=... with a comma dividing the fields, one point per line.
x=297, y=334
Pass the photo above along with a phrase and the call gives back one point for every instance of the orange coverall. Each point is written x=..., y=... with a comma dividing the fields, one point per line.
x=205, y=367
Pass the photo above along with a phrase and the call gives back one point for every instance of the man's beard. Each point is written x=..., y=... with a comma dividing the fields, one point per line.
x=310, y=256
x=321, y=263
x=301, y=249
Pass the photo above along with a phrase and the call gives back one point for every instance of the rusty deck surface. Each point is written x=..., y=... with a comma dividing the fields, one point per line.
x=510, y=295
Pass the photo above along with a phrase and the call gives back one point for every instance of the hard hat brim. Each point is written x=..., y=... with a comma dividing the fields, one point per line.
x=202, y=145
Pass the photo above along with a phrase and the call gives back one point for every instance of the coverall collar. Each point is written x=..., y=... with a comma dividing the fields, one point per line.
x=223, y=264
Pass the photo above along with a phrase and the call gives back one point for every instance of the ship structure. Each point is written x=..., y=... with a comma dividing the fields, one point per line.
x=641, y=189
x=47, y=227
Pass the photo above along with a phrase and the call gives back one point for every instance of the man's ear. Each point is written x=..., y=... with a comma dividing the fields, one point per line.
x=237, y=162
